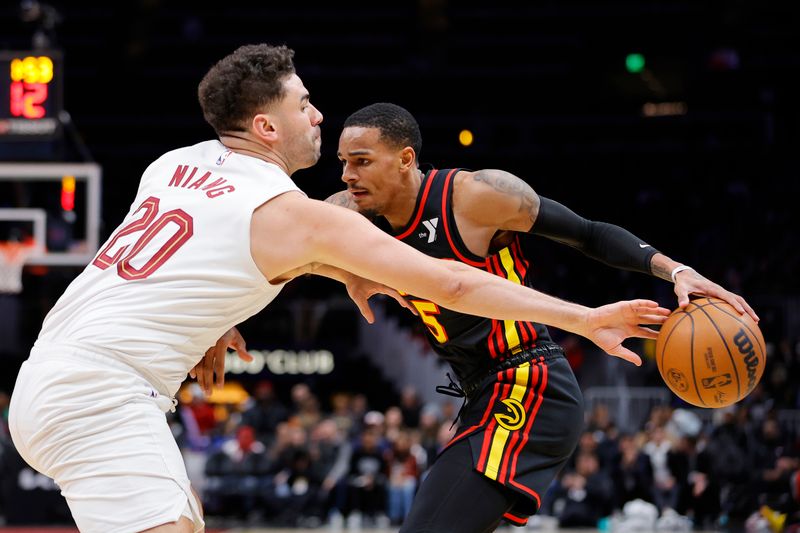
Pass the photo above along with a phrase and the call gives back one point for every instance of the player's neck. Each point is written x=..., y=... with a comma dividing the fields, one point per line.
x=242, y=144
x=399, y=212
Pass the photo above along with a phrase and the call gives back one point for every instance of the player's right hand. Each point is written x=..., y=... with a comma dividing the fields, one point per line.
x=609, y=325
x=213, y=362
x=691, y=282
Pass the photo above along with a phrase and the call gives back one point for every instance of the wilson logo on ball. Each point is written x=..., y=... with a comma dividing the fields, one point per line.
x=745, y=346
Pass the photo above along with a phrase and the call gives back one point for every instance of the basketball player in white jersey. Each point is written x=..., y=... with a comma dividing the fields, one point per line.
x=215, y=230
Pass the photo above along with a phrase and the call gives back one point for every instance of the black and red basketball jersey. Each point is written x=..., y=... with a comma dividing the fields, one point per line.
x=469, y=343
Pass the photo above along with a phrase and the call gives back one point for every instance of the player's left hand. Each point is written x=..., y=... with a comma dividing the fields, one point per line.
x=361, y=290
x=691, y=282
x=213, y=362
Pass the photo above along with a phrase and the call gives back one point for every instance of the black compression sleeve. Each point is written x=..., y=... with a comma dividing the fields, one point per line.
x=607, y=243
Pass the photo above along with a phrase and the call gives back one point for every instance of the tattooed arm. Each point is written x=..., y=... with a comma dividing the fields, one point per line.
x=495, y=199
x=498, y=198
x=342, y=199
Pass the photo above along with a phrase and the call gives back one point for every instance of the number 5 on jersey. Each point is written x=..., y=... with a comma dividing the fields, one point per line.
x=427, y=312
x=150, y=226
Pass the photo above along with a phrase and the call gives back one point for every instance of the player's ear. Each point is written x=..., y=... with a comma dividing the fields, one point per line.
x=408, y=159
x=264, y=127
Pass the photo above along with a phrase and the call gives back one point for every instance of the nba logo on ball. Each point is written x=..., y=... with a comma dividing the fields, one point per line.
x=709, y=355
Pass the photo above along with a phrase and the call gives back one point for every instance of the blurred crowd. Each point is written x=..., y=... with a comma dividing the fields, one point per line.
x=295, y=464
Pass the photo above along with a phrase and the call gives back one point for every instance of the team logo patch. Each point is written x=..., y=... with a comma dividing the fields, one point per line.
x=515, y=418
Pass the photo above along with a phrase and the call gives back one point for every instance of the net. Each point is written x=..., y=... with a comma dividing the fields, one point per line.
x=12, y=259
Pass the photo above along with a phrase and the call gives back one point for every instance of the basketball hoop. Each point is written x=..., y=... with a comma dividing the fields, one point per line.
x=12, y=258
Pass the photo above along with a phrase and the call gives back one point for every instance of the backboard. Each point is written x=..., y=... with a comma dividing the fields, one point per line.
x=57, y=204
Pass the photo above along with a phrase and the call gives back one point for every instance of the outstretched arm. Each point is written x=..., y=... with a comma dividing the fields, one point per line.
x=290, y=232
x=360, y=289
x=500, y=198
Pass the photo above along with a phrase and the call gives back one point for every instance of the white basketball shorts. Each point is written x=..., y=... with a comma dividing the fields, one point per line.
x=99, y=430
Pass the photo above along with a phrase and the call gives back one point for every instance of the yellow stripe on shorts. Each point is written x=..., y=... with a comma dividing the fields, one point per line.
x=501, y=435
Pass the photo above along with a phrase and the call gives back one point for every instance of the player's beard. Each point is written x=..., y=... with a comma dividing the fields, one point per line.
x=369, y=214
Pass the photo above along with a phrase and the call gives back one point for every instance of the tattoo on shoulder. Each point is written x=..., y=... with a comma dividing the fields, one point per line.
x=342, y=199
x=509, y=184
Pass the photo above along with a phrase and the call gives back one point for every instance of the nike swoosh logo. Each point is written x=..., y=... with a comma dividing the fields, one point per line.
x=644, y=245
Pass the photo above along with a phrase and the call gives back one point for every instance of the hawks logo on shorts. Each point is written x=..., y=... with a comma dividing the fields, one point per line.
x=516, y=417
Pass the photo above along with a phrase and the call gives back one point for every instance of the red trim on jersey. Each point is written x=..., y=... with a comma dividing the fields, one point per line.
x=519, y=520
x=523, y=333
x=540, y=397
x=420, y=208
x=520, y=264
x=534, y=334
x=447, y=227
x=490, y=339
x=521, y=267
x=494, y=349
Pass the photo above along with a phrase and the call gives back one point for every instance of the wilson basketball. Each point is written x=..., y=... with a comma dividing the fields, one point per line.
x=709, y=354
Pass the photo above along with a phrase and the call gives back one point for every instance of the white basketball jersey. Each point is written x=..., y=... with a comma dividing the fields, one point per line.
x=177, y=273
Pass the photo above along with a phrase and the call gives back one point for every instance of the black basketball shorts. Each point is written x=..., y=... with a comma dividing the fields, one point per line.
x=522, y=425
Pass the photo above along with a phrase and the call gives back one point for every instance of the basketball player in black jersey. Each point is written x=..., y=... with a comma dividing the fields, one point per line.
x=524, y=408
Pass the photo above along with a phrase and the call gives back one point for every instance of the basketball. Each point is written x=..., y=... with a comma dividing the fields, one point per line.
x=709, y=355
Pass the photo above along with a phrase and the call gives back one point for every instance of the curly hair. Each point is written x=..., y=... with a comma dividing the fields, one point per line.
x=398, y=127
x=244, y=83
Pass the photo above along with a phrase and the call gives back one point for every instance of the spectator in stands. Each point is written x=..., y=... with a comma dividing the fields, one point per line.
x=775, y=459
x=429, y=423
x=585, y=494
x=265, y=411
x=358, y=409
x=340, y=412
x=403, y=477
x=411, y=407
x=731, y=465
x=330, y=452
x=393, y=423
x=233, y=474
x=367, y=480
x=632, y=473
x=202, y=411
x=294, y=492
x=665, y=487
x=305, y=406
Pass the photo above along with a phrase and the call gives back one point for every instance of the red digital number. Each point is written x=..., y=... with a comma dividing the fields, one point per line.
x=26, y=99
x=184, y=228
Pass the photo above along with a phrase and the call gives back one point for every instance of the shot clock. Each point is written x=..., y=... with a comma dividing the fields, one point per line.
x=30, y=95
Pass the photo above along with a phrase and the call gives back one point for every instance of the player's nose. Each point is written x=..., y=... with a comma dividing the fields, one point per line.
x=316, y=116
x=348, y=176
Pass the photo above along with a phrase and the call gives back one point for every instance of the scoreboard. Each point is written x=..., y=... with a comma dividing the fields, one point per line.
x=30, y=95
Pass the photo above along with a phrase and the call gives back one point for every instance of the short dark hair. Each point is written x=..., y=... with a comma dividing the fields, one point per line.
x=244, y=83
x=398, y=127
